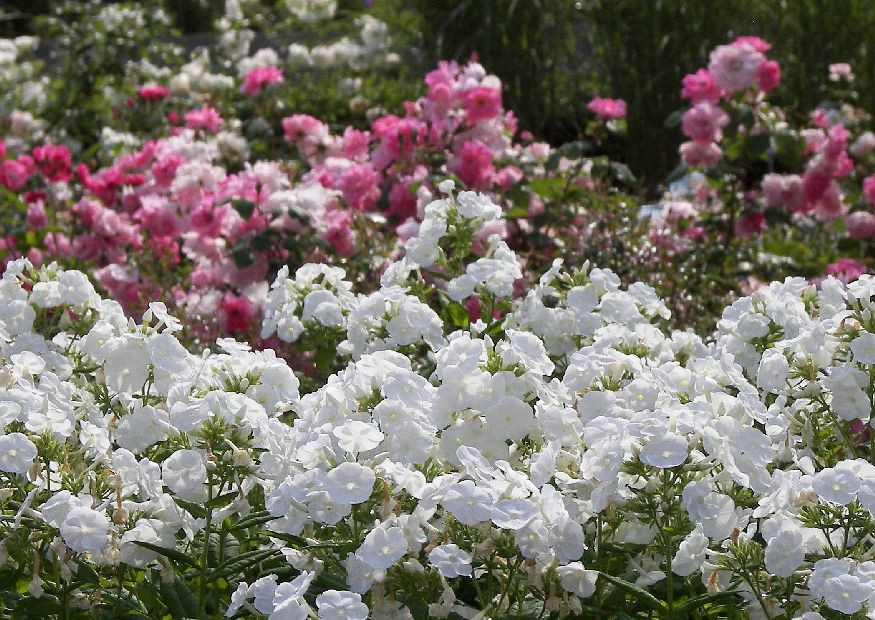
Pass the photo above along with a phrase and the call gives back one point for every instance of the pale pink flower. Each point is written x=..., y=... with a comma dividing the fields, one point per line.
x=704, y=122
x=734, y=67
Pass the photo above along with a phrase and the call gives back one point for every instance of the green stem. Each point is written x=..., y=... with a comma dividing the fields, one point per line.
x=666, y=483
x=205, y=557
x=507, y=583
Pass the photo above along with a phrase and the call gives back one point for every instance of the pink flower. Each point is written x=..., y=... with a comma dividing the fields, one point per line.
x=841, y=71
x=53, y=161
x=700, y=154
x=481, y=103
x=830, y=206
x=757, y=43
x=153, y=92
x=815, y=182
x=402, y=201
x=704, y=122
x=13, y=174
x=236, y=314
x=259, y=77
x=820, y=118
x=860, y=225
x=339, y=233
x=360, y=186
x=207, y=119
x=768, y=75
x=356, y=143
x=58, y=244
x=846, y=269
x=700, y=86
x=158, y=218
x=734, y=67
x=869, y=189
x=301, y=126
x=750, y=224
x=36, y=215
x=508, y=176
x=164, y=170
x=473, y=164
x=607, y=108
x=780, y=191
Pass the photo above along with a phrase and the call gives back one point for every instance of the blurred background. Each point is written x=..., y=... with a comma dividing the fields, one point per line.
x=552, y=55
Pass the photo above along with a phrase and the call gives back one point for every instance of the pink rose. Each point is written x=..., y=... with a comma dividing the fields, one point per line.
x=607, y=108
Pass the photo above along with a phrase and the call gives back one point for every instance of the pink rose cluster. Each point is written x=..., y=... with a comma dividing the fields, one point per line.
x=460, y=126
x=817, y=190
x=168, y=220
x=52, y=161
x=738, y=67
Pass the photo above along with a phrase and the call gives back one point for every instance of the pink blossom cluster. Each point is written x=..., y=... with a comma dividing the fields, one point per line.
x=738, y=67
x=459, y=127
x=169, y=219
x=52, y=161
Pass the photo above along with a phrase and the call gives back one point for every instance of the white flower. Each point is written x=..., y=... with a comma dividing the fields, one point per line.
x=350, y=483
x=846, y=593
x=85, y=530
x=468, y=503
x=451, y=561
x=863, y=348
x=690, y=553
x=773, y=369
x=17, y=453
x=382, y=547
x=356, y=436
x=577, y=580
x=337, y=605
x=667, y=451
x=184, y=473
x=838, y=486
x=785, y=552
x=170, y=322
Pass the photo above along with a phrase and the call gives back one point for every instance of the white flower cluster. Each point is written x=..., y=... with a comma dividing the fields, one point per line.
x=575, y=447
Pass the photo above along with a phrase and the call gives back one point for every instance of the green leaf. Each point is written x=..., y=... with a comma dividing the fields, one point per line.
x=172, y=554
x=640, y=594
x=622, y=173
x=196, y=510
x=674, y=119
x=242, y=256
x=221, y=501
x=179, y=599
x=548, y=188
x=251, y=520
x=458, y=314
x=244, y=207
x=242, y=563
x=704, y=599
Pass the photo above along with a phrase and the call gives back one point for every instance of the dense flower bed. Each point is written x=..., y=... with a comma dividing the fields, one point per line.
x=420, y=364
x=572, y=458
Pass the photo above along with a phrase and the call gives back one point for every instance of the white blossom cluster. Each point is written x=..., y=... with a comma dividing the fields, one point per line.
x=572, y=450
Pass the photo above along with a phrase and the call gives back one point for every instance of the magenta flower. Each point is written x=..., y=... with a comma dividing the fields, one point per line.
x=260, y=77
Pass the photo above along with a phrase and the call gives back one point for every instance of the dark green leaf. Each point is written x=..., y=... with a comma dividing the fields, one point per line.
x=237, y=565
x=244, y=207
x=172, y=554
